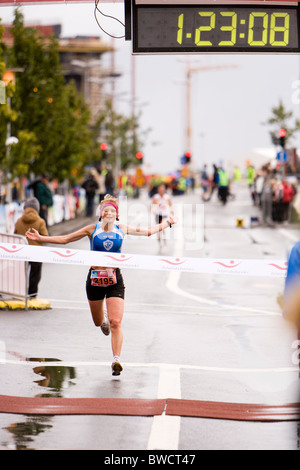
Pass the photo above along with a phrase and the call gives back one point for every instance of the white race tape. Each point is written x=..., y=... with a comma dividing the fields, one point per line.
x=250, y=267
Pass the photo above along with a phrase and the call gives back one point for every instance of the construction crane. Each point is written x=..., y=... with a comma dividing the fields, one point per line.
x=190, y=70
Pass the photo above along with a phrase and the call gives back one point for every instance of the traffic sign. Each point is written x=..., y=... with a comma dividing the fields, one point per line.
x=282, y=156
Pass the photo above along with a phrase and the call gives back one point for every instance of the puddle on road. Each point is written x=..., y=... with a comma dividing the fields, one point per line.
x=55, y=380
x=24, y=433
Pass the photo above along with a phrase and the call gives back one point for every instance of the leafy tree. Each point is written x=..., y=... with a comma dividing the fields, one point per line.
x=121, y=135
x=281, y=119
x=51, y=118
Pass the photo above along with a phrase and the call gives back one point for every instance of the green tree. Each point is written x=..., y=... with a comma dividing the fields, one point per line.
x=7, y=114
x=52, y=119
x=121, y=135
x=281, y=118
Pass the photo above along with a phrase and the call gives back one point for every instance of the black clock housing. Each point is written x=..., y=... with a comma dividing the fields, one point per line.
x=215, y=28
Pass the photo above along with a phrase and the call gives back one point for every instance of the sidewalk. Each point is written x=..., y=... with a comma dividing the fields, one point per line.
x=69, y=226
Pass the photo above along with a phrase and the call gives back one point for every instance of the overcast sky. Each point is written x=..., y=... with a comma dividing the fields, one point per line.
x=229, y=106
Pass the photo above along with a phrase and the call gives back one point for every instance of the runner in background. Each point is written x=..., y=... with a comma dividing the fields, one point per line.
x=161, y=206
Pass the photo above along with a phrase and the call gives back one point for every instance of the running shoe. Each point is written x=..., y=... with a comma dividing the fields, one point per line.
x=105, y=327
x=116, y=368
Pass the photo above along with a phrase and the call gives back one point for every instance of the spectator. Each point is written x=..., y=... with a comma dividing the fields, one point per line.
x=100, y=178
x=223, y=185
x=43, y=194
x=287, y=197
x=109, y=181
x=259, y=184
x=251, y=175
x=31, y=219
x=90, y=186
x=205, y=183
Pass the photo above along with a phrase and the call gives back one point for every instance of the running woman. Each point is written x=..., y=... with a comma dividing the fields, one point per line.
x=161, y=206
x=102, y=282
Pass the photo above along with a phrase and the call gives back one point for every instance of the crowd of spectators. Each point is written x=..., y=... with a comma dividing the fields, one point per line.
x=273, y=193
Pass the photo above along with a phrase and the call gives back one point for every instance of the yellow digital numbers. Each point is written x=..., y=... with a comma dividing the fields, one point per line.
x=211, y=26
x=231, y=28
x=254, y=29
x=285, y=29
x=196, y=27
x=264, y=33
x=180, y=28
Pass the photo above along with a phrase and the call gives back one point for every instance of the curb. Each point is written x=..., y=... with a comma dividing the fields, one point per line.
x=33, y=304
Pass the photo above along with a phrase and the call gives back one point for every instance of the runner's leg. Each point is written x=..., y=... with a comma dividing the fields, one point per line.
x=97, y=311
x=115, y=310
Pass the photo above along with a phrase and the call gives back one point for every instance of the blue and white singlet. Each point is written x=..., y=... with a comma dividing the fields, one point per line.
x=107, y=241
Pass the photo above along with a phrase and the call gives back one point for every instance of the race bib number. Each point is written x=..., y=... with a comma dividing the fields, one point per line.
x=103, y=278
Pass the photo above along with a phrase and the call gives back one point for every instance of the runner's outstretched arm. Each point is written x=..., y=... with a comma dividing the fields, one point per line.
x=34, y=235
x=148, y=231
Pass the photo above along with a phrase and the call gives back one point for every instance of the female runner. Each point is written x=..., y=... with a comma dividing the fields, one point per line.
x=102, y=282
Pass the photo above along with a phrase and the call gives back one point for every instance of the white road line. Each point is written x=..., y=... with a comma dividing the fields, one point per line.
x=252, y=312
x=290, y=235
x=150, y=365
x=165, y=430
x=172, y=285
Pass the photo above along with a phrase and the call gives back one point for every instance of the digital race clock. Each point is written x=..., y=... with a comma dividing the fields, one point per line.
x=208, y=28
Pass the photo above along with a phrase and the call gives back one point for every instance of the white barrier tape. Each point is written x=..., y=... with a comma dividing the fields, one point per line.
x=250, y=267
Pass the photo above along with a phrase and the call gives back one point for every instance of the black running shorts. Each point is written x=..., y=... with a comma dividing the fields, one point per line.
x=99, y=293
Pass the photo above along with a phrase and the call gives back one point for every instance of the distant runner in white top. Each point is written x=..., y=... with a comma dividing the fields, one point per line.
x=161, y=205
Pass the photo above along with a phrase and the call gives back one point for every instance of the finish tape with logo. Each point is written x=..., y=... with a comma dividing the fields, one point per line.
x=248, y=267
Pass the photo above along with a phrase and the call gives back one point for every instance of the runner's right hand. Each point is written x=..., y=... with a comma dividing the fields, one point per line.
x=33, y=234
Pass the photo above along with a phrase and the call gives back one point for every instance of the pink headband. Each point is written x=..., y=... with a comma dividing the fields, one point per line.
x=109, y=204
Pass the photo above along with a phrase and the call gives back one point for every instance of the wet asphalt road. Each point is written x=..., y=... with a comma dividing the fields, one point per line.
x=197, y=337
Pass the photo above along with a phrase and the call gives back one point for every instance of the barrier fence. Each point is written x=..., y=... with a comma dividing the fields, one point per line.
x=14, y=273
x=64, y=208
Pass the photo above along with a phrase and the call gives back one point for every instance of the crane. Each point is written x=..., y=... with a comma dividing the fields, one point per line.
x=190, y=70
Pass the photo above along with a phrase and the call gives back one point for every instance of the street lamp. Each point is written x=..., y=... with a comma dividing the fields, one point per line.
x=9, y=75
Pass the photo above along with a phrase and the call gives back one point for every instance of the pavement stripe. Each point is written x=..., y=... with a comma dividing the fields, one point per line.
x=289, y=234
x=165, y=430
x=32, y=363
x=143, y=407
x=251, y=311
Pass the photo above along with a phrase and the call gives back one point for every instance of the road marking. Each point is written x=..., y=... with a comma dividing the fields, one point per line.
x=172, y=284
x=165, y=429
x=150, y=365
x=289, y=235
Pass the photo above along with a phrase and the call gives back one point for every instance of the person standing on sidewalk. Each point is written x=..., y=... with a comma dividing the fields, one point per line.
x=104, y=283
x=90, y=186
x=31, y=219
x=43, y=194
